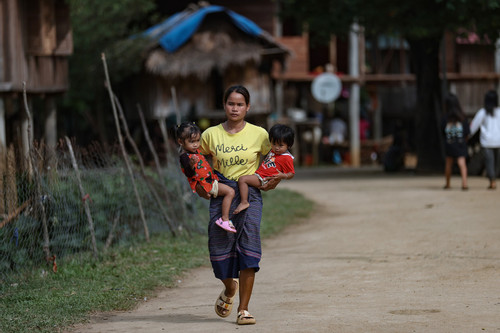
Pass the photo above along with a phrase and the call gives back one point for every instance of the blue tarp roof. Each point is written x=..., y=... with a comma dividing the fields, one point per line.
x=172, y=33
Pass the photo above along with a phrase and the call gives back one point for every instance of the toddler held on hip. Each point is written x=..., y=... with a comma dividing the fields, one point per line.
x=200, y=174
x=278, y=163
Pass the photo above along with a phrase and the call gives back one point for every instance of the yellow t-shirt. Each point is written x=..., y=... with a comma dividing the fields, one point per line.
x=235, y=155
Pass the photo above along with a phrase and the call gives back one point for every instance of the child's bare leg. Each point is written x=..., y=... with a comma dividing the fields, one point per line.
x=201, y=191
x=243, y=183
x=228, y=193
x=447, y=171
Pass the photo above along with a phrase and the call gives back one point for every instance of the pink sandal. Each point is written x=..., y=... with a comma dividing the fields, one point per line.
x=226, y=225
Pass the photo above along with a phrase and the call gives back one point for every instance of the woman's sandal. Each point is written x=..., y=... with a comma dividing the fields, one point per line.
x=225, y=302
x=245, y=318
x=226, y=225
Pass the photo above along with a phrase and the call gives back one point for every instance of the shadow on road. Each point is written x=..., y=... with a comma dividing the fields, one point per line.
x=331, y=172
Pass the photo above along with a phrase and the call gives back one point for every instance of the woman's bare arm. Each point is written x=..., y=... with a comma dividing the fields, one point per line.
x=271, y=184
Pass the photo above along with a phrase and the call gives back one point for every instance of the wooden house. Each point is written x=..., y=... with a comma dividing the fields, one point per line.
x=35, y=40
x=388, y=88
x=193, y=56
x=472, y=68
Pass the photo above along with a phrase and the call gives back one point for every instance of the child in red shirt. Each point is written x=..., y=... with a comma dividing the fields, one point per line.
x=198, y=171
x=277, y=164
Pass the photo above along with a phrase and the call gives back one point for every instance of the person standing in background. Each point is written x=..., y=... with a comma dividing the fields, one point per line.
x=456, y=131
x=487, y=120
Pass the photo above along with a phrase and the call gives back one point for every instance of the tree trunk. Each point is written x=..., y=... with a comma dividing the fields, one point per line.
x=429, y=141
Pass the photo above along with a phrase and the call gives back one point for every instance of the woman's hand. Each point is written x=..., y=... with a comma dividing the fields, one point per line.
x=271, y=184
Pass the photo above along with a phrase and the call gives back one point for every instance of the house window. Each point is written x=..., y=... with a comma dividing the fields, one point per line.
x=319, y=54
x=290, y=27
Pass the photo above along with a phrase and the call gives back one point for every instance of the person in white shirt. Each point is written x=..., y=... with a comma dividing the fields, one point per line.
x=487, y=120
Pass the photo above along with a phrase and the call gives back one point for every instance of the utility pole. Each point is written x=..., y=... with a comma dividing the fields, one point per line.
x=354, y=96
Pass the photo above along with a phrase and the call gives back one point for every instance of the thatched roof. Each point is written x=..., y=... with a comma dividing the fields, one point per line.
x=216, y=44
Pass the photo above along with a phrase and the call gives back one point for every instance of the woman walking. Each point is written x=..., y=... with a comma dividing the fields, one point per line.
x=236, y=148
x=487, y=120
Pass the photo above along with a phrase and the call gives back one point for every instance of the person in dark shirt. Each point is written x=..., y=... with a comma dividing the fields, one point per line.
x=456, y=131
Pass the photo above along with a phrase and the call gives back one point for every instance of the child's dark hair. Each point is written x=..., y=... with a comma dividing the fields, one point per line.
x=453, y=108
x=186, y=130
x=282, y=133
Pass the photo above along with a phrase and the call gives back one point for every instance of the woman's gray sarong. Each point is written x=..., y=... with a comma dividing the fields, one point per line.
x=231, y=253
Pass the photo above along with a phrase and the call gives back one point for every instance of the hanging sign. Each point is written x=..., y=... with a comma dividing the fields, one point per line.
x=326, y=87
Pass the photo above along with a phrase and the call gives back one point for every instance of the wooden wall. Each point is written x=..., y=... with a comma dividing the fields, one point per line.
x=36, y=40
x=154, y=94
x=298, y=62
x=473, y=59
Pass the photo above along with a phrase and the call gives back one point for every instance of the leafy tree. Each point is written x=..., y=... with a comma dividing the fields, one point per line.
x=423, y=24
x=97, y=27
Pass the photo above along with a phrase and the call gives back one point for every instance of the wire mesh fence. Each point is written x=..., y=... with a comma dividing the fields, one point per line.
x=71, y=200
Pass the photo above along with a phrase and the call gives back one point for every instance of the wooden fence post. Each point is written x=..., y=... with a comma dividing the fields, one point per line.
x=10, y=181
x=156, y=159
x=122, y=146
x=143, y=169
x=38, y=179
x=82, y=196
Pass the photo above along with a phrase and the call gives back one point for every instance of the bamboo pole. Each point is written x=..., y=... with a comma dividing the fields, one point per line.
x=143, y=169
x=111, y=233
x=153, y=152
x=178, y=117
x=156, y=159
x=25, y=142
x=158, y=170
x=10, y=181
x=149, y=141
x=82, y=195
x=122, y=146
x=163, y=128
x=38, y=179
x=127, y=132
x=14, y=214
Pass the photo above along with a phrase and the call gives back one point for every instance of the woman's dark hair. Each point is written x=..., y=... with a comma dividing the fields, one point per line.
x=490, y=101
x=282, y=133
x=238, y=89
x=187, y=130
x=453, y=109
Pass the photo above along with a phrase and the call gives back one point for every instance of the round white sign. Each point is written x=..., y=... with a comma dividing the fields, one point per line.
x=326, y=87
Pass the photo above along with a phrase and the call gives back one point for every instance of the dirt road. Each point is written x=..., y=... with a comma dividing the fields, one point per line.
x=382, y=253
